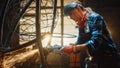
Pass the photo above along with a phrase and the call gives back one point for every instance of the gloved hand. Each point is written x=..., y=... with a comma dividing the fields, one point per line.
x=67, y=49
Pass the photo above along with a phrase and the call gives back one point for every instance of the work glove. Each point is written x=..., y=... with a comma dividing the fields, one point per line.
x=67, y=49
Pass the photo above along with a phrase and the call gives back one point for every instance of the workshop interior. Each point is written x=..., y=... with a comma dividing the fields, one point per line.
x=33, y=32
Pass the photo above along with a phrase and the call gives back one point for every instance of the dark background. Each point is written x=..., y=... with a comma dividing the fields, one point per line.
x=110, y=10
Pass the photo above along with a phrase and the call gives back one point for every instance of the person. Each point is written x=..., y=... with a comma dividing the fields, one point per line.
x=93, y=36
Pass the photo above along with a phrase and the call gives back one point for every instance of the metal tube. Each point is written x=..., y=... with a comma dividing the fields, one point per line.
x=53, y=20
x=38, y=33
x=54, y=15
x=16, y=23
x=62, y=22
x=20, y=46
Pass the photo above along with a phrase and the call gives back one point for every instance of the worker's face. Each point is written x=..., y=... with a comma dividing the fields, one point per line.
x=76, y=14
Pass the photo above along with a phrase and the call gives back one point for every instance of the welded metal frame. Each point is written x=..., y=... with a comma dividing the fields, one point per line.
x=38, y=35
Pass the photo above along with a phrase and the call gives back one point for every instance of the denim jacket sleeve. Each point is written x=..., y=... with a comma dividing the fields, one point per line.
x=80, y=38
x=96, y=24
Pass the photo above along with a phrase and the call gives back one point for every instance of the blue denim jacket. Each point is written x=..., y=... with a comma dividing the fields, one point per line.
x=97, y=39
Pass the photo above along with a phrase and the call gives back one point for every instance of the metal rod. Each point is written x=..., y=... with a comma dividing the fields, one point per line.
x=62, y=22
x=53, y=20
x=38, y=33
x=20, y=46
x=13, y=28
x=5, y=5
x=54, y=15
x=44, y=7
